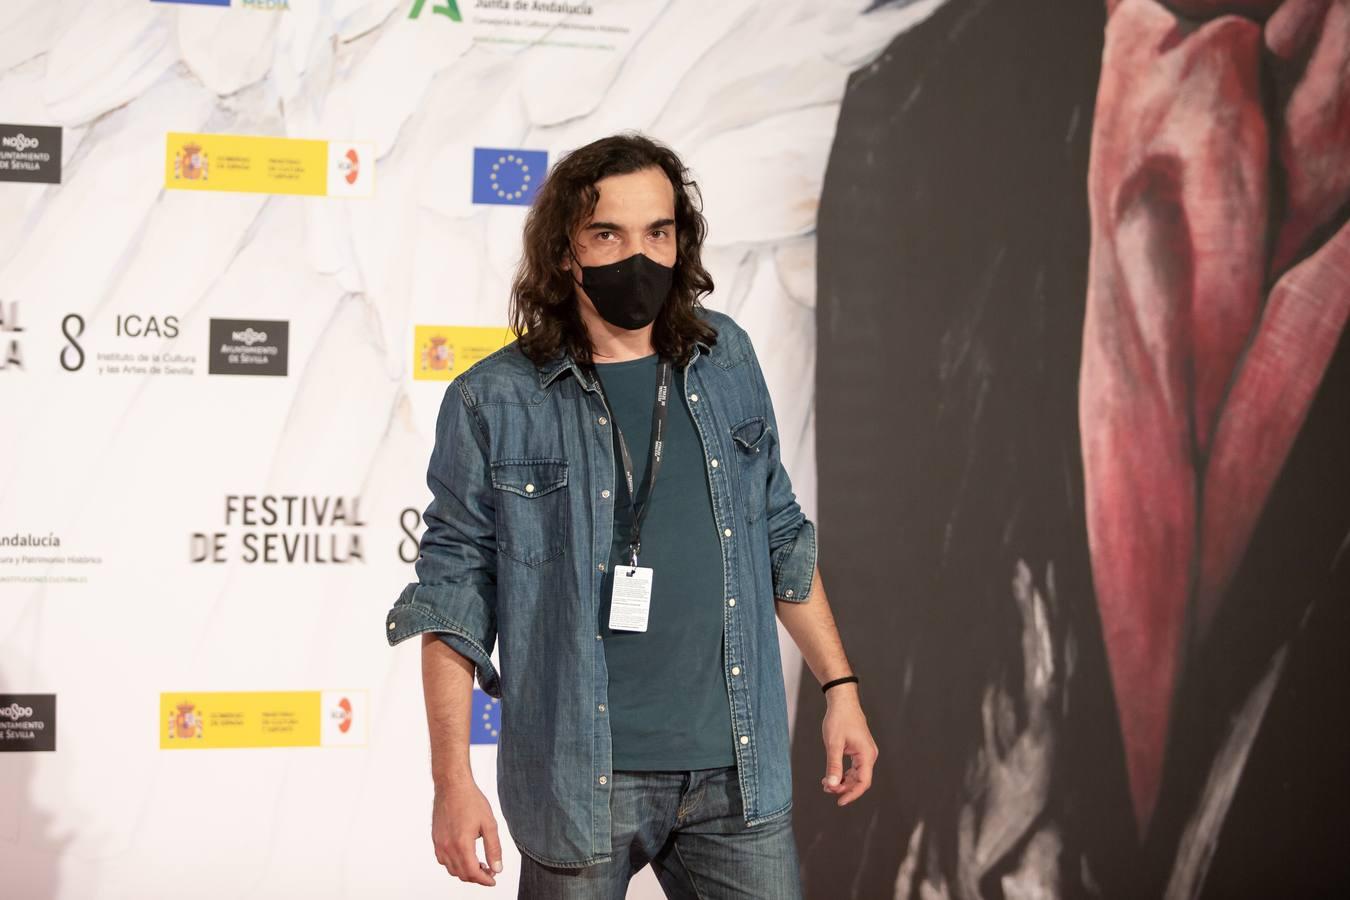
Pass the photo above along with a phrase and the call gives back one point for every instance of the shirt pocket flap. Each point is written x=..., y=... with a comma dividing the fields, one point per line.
x=530, y=478
x=750, y=434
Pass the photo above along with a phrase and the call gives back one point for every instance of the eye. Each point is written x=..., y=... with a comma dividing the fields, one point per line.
x=600, y=235
x=660, y=233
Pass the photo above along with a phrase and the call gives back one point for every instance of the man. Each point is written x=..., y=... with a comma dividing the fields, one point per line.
x=609, y=501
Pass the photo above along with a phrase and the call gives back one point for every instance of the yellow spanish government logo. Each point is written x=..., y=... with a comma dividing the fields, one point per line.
x=268, y=165
x=213, y=720
x=443, y=352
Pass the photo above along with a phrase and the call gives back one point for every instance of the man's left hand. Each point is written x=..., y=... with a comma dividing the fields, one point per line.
x=846, y=734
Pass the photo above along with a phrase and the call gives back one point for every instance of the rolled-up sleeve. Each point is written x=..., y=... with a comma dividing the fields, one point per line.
x=792, y=536
x=455, y=595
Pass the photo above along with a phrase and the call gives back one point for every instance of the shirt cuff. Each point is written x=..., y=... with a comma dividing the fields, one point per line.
x=794, y=565
x=411, y=615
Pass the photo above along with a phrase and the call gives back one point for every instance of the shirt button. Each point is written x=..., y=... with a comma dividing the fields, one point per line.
x=727, y=532
x=603, y=421
x=693, y=397
x=604, y=494
x=731, y=602
x=788, y=593
x=744, y=739
x=604, y=780
x=391, y=626
x=599, y=637
x=602, y=567
x=714, y=463
x=602, y=707
x=529, y=489
x=735, y=670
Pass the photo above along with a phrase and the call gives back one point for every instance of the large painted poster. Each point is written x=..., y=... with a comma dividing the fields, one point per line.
x=1084, y=423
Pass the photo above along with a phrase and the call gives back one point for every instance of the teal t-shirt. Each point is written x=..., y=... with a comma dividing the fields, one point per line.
x=668, y=704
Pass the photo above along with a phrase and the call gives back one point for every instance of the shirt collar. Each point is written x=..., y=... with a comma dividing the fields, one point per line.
x=559, y=364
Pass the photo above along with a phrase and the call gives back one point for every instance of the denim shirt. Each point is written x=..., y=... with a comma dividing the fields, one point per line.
x=518, y=533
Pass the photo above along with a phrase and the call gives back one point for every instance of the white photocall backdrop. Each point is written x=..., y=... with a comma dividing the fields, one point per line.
x=115, y=472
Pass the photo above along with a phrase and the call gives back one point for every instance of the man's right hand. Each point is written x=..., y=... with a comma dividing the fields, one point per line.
x=459, y=816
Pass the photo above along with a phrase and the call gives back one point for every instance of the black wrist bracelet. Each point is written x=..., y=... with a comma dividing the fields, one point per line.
x=845, y=680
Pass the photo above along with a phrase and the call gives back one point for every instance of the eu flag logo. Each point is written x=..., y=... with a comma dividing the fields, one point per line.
x=507, y=176
x=486, y=719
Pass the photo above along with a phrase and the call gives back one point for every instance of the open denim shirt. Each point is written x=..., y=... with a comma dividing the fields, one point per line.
x=517, y=537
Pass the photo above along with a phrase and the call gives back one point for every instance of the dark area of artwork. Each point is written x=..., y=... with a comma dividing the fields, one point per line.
x=954, y=240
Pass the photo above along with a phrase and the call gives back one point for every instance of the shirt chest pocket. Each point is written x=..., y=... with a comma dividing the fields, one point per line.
x=752, y=439
x=531, y=509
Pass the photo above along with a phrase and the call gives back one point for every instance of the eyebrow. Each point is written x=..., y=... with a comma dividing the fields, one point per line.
x=614, y=226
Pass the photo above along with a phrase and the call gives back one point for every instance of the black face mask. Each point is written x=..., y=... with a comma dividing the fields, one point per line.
x=628, y=293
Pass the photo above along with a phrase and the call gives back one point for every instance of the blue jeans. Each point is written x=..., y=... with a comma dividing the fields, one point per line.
x=690, y=827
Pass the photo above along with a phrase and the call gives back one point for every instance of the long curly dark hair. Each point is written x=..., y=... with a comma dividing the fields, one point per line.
x=544, y=314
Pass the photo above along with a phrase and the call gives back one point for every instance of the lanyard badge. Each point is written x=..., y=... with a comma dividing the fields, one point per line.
x=631, y=597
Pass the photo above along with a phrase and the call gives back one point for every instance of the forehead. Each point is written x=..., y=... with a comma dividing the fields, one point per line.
x=639, y=196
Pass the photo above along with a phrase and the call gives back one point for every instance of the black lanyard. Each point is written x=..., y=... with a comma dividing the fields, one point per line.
x=639, y=501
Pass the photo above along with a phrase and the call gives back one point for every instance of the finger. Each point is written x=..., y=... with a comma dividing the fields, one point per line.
x=466, y=863
x=860, y=777
x=834, y=765
x=492, y=845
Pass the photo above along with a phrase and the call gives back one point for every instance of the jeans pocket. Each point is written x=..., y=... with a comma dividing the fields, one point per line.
x=531, y=509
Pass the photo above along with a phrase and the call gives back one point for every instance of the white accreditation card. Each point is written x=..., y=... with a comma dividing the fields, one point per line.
x=631, y=599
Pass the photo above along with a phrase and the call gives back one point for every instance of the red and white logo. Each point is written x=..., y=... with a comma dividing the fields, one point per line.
x=345, y=719
x=352, y=164
x=343, y=714
x=351, y=168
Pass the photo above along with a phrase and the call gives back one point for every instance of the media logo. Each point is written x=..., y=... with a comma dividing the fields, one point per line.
x=27, y=722
x=487, y=718
x=195, y=2
x=248, y=347
x=30, y=153
x=447, y=8
x=509, y=177
x=442, y=352
x=11, y=348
